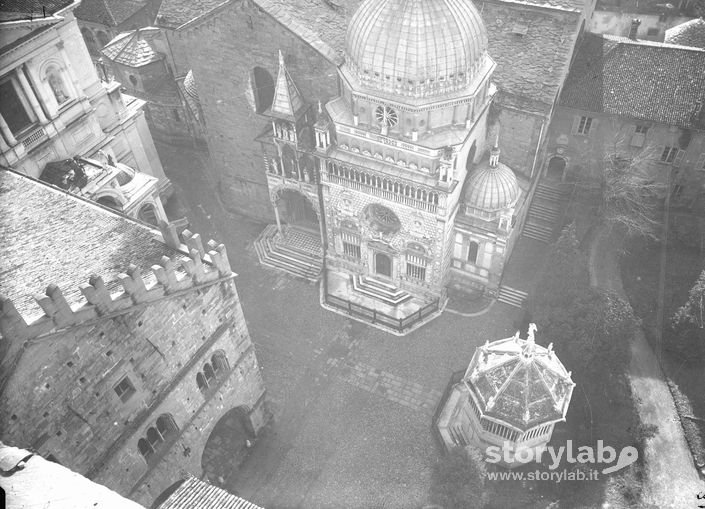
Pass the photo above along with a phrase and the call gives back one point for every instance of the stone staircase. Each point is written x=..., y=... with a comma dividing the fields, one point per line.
x=545, y=212
x=385, y=292
x=512, y=296
x=297, y=252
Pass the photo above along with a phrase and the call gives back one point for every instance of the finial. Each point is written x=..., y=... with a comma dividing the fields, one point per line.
x=532, y=330
x=527, y=416
x=494, y=153
x=281, y=59
x=320, y=107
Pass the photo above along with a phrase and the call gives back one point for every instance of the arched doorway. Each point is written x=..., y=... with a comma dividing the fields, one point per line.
x=148, y=214
x=227, y=445
x=383, y=264
x=556, y=168
x=296, y=209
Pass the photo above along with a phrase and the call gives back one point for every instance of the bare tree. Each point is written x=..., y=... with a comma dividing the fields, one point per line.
x=628, y=194
x=693, y=311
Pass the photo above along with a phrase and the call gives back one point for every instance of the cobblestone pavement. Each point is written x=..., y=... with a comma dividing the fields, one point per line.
x=351, y=404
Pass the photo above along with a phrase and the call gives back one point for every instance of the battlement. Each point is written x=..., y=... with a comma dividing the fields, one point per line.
x=172, y=275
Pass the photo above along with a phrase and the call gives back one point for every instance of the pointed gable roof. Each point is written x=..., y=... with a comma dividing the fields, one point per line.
x=287, y=103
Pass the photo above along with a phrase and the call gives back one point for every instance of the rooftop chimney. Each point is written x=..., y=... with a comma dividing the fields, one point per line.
x=634, y=28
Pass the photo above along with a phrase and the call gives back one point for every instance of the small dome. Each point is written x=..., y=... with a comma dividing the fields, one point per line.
x=519, y=382
x=492, y=187
x=691, y=33
x=420, y=45
x=190, y=85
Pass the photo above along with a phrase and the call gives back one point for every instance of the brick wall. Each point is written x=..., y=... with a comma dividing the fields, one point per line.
x=246, y=38
x=61, y=399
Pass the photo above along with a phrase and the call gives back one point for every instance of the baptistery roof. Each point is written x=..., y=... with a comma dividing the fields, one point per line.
x=418, y=45
x=493, y=186
x=519, y=382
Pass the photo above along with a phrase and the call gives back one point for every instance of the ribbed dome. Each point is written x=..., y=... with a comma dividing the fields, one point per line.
x=492, y=188
x=422, y=46
x=190, y=85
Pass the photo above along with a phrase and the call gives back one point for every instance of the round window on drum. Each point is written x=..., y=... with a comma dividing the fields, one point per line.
x=386, y=116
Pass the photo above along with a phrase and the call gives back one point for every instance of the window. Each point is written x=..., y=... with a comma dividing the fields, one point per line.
x=472, y=252
x=56, y=83
x=386, y=116
x=13, y=106
x=639, y=135
x=156, y=436
x=208, y=371
x=351, y=245
x=220, y=363
x=669, y=154
x=652, y=32
x=584, y=126
x=124, y=389
x=133, y=80
x=415, y=267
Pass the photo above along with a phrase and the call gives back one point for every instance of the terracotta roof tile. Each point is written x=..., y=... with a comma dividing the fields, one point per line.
x=643, y=80
x=133, y=49
x=197, y=494
x=691, y=33
x=108, y=12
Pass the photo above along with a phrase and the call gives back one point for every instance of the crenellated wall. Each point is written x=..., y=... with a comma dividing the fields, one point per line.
x=89, y=384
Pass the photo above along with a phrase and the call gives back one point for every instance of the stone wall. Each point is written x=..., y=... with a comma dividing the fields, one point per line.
x=61, y=396
x=246, y=38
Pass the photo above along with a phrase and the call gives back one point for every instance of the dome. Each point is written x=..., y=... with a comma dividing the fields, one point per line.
x=425, y=46
x=190, y=85
x=492, y=187
x=519, y=382
x=691, y=33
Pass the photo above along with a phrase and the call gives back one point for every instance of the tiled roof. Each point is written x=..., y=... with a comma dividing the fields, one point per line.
x=197, y=494
x=43, y=483
x=37, y=9
x=519, y=382
x=50, y=236
x=133, y=49
x=108, y=12
x=563, y=5
x=643, y=80
x=691, y=33
x=174, y=13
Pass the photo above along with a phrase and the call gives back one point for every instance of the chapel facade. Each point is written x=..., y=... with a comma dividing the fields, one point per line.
x=388, y=190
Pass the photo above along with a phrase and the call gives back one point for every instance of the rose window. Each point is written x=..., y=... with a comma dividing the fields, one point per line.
x=386, y=116
x=382, y=219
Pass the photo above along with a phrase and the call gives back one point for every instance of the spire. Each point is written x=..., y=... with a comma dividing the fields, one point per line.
x=287, y=99
x=494, y=153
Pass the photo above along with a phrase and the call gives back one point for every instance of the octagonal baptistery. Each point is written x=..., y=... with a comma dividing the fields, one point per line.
x=511, y=396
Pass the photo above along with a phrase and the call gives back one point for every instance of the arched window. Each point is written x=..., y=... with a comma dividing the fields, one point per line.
x=154, y=438
x=144, y=448
x=208, y=370
x=166, y=425
x=472, y=252
x=201, y=382
x=90, y=40
x=263, y=88
x=220, y=362
x=56, y=83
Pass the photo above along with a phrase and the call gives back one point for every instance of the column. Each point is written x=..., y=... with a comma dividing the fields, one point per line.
x=69, y=70
x=29, y=93
x=6, y=133
x=276, y=215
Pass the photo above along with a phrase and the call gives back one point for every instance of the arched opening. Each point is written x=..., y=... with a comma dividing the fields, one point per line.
x=227, y=445
x=154, y=438
x=201, y=382
x=297, y=210
x=148, y=214
x=263, y=88
x=108, y=202
x=166, y=426
x=144, y=448
x=556, y=168
x=208, y=371
x=289, y=162
x=220, y=362
x=133, y=80
x=383, y=264
x=90, y=41
x=56, y=83
x=103, y=39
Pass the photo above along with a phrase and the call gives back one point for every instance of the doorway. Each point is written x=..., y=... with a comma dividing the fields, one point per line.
x=297, y=210
x=383, y=265
x=556, y=168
